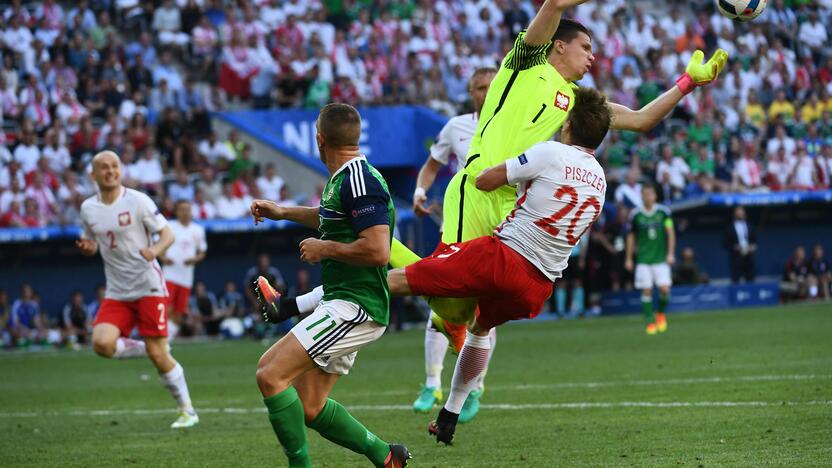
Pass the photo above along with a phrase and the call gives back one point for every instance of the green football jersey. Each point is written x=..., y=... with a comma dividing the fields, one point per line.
x=651, y=235
x=356, y=198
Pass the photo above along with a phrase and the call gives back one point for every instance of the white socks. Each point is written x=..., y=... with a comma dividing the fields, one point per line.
x=307, y=302
x=127, y=348
x=473, y=360
x=492, y=337
x=174, y=381
x=436, y=345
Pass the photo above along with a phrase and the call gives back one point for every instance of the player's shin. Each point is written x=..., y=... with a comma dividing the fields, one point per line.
x=127, y=348
x=473, y=360
x=647, y=307
x=174, y=381
x=492, y=337
x=286, y=417
x=337, y=425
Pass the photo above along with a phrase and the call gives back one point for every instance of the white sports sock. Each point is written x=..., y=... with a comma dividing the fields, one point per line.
x=173, y=330
x=174, y=381
x=307, y=302
x=492, y=337
x=473, y=359
x=436, y=345
x=127, y=348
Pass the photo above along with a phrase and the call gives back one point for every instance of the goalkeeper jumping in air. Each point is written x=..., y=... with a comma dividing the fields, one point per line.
x=528, y=102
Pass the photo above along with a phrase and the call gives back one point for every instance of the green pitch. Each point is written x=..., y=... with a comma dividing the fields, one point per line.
x=743, y=388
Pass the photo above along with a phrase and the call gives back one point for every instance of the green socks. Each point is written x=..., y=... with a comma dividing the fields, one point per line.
x=337, y=425
x=663, y=300
x=647, y=308
x=286, y=416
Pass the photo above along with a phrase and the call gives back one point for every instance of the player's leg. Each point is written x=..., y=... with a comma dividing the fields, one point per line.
x=471, y=407
x=436, y=346
x=330, y=419
x=178, y=306
x=663, y=282
x=113, y=323
x=152, y=325
x=644, y=283
x=279, y=366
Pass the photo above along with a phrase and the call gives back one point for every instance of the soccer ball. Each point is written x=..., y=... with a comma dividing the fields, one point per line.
x=741, y=10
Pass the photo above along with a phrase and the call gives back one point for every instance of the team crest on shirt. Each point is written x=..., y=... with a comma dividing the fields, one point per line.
x=562, y=101
x=124, y=219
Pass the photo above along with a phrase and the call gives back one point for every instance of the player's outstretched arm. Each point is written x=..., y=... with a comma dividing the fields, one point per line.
x=371, y=249
x=492, y=178
x=166, y=238
x=546, y=21
x=427, y=175
x=696, y=74
x=266, y=209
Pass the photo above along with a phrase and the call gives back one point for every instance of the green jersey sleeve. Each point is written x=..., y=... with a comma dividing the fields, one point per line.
x=524, y=56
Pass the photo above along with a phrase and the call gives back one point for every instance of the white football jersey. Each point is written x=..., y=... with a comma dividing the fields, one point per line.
x=455, y=138
x=121, y=230
x=190, y=239
x=560, y=192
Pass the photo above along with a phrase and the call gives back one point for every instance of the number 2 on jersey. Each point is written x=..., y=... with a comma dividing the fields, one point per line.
x=548, y=223
x=112, y=236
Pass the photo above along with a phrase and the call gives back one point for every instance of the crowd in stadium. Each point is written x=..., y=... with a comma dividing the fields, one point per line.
x=142, y=78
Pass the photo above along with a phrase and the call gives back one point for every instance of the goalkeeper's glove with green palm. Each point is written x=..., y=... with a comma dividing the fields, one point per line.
x=699, y=74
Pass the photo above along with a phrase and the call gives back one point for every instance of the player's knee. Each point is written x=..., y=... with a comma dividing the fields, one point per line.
x=311, y=410
x=268, y=378
x=103, y=347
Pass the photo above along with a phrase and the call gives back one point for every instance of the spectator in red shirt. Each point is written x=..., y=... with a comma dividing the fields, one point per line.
x=32, y=217
x=12, y=217
x=46, y=175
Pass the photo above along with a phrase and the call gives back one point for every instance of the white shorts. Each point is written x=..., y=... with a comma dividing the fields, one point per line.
x=334, y=332
x=649, y=275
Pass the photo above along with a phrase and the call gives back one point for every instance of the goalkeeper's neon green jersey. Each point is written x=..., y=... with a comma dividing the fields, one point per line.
x=527, y=103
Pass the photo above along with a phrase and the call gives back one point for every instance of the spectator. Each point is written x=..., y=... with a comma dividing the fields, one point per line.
x=803, y=174
x=32, y=216
x=215, y=152
x=671, y=172
x=781, y=107
x=46, y=205
x=208, y=314
x=182, y=188
x=629, y=193
x=27, y=322
x=201, y=209
x=797, y=278
x=686, y=271
x=12, y=216
x=148, y=171
x=27, y=152
x=231, y=302
x=209, y=185
x=56, y=154
x=819, y=268
x=740, y=240
x=167, y=23
x=270, y=184
x=266, y=270
x=748, y=175
x=778, y=170
x=231, y=206
x=75, y=321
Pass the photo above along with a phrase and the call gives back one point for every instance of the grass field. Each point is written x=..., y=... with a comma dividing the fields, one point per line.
x=741, y=388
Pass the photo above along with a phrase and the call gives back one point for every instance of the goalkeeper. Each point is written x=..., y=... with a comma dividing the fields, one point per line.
x=527, y=103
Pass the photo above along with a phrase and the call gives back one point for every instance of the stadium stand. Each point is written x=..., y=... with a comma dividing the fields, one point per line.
x=144, y=79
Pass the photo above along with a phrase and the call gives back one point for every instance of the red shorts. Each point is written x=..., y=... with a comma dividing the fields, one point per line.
x=149, y=313
x=178, y=297
x=508, y=286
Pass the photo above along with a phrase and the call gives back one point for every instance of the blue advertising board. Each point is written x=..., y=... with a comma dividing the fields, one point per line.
x=696, y=298
x=395, y=136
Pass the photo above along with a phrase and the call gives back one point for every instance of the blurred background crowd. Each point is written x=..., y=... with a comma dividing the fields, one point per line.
x=142, y=77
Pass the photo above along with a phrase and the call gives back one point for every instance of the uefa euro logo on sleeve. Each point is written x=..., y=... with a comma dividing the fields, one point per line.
x=523, y=159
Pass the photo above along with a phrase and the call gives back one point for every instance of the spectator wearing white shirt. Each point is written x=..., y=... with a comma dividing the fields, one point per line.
x=672, y=173
x=778, y=170
x=47, y=205
x=781, y=140
x=17, y=36
x=748, y=175
x=629, y=193
x=214, y=151
x=182, y=188
x=202, y=209
x=813, y=36
x=167, y=22
x=14, y=193
x=55, y=153
x=230, y=206
x=270, y=184
x=27, y=152
x=803, y=174
x=70, y=112
x=148, y=170
x=209, y=185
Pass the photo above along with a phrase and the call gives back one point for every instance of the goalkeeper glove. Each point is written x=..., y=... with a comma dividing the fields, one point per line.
x=698, y=74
